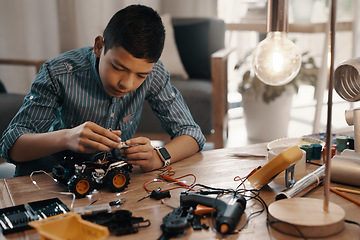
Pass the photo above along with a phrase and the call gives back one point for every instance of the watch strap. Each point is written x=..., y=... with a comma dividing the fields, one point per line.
x=164, y=155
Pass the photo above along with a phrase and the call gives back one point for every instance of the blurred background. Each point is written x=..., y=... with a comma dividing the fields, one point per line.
x=42, y=29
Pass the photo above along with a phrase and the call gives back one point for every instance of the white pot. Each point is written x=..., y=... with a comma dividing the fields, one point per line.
x=267, y=121
x=302, y=10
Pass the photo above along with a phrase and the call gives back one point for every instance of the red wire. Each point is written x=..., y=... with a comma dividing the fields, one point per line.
x=181, y=184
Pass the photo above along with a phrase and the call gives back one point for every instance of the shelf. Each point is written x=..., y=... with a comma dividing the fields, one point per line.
x=260, y=26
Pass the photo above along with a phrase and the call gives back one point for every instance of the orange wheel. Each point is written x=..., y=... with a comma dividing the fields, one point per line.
x=118, y=179
x=81, y=185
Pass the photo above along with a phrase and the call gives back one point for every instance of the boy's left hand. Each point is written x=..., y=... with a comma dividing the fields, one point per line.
x=141, y=153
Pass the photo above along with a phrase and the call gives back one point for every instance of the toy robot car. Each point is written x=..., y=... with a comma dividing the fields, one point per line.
x=83, y=176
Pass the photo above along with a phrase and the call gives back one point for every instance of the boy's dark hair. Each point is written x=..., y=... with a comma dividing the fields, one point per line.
x=139, y=30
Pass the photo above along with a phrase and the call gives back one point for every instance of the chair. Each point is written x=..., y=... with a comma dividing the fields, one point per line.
x=10, y=103
x=200, y=42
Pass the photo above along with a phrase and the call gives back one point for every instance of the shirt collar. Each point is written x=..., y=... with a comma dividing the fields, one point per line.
x=95, y=66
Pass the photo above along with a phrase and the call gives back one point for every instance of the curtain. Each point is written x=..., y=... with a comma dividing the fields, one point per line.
x=28, y=29
x=42, y=29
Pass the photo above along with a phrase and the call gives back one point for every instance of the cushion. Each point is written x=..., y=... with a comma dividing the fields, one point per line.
x=197, y=39
x=10, y=103
x=170, y=55
x=197, y=95
x=2, y=87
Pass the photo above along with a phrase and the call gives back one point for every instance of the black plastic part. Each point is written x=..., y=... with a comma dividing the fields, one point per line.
x=16, y=218
x=157, y=194
x=120, y=222
x=176, y=222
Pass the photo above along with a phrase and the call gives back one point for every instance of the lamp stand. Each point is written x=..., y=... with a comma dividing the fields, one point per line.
x=309, y=217
x=304, y=217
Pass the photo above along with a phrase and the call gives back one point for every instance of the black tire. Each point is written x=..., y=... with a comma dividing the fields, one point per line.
x=81, y=185
x=118, y=179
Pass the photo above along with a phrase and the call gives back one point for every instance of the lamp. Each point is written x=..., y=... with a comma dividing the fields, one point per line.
x=347, y=85
x=276, y=59
x=304, y=217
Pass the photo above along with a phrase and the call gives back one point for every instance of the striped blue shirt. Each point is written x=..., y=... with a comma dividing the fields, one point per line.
x=68, y=91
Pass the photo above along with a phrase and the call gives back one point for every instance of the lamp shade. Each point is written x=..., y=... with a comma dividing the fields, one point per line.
x=347, y=80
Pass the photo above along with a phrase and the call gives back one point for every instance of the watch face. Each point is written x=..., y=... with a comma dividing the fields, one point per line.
x=164, y=153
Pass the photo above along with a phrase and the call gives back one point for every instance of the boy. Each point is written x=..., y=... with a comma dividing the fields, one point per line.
x=79, y=96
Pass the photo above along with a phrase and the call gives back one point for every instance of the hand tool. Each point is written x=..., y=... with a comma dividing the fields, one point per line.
x=229, y=208
x=157, y=194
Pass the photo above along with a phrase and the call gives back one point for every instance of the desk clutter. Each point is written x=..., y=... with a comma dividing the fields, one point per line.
x=16, y=218
x=200, y=206
x=53, y=220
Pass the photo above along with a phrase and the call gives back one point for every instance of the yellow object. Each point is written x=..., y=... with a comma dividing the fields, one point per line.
x=69, y=226
x=278, y=164
x=347, y=190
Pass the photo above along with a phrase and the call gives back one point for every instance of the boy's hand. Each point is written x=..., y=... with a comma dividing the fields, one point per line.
x=90, y=137
x=141, y=153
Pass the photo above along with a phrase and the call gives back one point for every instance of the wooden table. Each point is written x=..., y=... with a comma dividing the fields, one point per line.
x=214, y=168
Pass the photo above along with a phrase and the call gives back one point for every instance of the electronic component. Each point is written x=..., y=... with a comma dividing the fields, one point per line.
x=157, y=194
x=124, y=145
x=16, y=218
x=117, y=202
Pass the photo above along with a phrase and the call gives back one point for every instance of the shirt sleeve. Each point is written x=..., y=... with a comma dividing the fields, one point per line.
x=170, y=107
x=37, y=113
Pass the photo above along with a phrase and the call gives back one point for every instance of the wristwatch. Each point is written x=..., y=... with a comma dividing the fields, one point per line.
x=164, y=155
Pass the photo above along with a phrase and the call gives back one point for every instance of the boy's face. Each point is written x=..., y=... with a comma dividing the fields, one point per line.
x=119, y=71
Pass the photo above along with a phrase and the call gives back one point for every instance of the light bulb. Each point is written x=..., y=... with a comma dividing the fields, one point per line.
x=276, y=59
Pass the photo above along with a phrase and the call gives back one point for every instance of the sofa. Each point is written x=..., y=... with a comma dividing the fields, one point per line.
x=9, y=105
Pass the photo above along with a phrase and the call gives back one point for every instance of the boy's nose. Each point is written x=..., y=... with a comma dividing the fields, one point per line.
x=128, y=82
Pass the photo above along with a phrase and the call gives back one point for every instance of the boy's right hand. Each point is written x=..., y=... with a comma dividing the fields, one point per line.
x=90, y=137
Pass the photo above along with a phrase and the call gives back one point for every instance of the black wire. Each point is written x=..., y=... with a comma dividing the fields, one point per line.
x=255, y=196
x=238, y=191
x=352, y=222
x=254, y=213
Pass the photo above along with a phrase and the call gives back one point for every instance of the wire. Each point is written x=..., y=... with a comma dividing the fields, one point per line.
x=352, y=222
x=64, y=193
x=249, y=194
x=187, y=186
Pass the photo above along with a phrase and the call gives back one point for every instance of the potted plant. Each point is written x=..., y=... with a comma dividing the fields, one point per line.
x=267, y=108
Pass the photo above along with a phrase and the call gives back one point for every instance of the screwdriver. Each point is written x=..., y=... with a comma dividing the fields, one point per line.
x=157, y=194
x=117, y=202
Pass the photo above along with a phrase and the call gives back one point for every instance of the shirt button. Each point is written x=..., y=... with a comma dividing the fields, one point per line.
x=69, y=67
x=112, y=115
x=173, y=94
x=31, y=97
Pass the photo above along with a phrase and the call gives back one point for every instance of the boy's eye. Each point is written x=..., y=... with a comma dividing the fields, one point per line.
x=117, y=68
x=141, y=76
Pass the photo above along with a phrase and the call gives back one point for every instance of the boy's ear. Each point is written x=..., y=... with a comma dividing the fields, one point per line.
x=98, y=45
